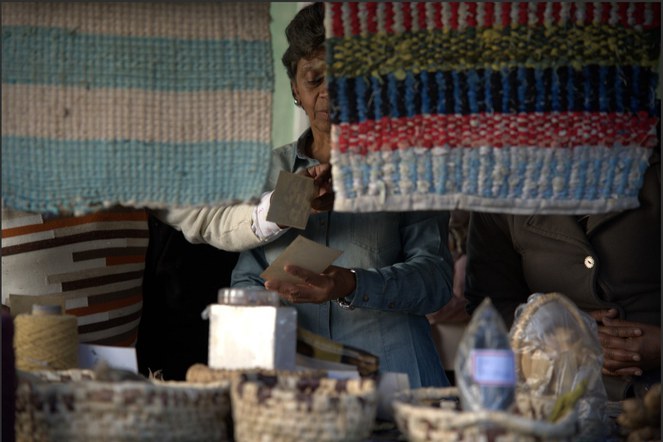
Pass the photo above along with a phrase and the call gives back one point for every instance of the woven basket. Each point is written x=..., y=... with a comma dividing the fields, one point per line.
x=71, y=406
x=305, y=408
x=201, y=373
x=431, y=414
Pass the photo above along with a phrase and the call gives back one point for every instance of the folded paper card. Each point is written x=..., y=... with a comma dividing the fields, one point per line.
x=304, y=253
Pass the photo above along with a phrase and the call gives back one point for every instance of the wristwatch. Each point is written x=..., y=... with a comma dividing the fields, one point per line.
x=343, y=302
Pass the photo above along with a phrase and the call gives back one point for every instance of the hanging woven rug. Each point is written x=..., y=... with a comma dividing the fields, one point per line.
x=527, y=107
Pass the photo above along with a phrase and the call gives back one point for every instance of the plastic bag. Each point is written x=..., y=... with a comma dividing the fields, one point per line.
x=558, y=355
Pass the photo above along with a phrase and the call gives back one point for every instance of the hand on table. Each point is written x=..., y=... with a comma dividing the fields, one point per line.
x=316, y=288
x=629, y=347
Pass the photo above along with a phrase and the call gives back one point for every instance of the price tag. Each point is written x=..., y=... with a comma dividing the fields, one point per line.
x=493, y=367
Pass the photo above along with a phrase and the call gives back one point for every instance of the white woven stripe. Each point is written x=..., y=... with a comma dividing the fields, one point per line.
x=473, y=179
x=347, y=26
x=379, y=16
x=362, y=14
x=430, y=16
x=462, y=16
x=481, y=16
x=532, y=17
x=414, y=14
x=31, y=237
x=397, y=8
x=17, y=218
x=109, y=332
x=78, y=114
x=110, y=314
x=73, y=274
x=421, y=201
x=212, y=20
x=78, y=298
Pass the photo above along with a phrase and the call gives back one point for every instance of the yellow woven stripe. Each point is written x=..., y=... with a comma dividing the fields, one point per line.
x=539, y=47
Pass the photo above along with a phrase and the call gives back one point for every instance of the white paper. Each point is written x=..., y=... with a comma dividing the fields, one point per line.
x=335, y=370
x=303, y=253
x=90, y=355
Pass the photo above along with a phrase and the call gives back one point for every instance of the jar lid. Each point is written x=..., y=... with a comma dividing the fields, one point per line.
x=253, y=296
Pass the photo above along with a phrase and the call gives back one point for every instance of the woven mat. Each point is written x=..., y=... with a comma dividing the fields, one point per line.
x=530, y=107
x=134, y=104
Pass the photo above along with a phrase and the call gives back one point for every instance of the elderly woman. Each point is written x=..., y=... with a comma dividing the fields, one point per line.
x=395, y=267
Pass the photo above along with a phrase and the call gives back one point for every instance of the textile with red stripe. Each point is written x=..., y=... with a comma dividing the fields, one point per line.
x=91, y=265
x=504, y=107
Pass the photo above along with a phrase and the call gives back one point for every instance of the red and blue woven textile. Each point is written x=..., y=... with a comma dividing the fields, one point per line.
x=525, y=107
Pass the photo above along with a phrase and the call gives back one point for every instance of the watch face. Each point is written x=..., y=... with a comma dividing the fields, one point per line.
x=343, y=303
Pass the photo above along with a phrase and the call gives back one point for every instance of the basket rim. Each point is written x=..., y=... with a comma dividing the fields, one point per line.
x=460, y=420
x=532, y=307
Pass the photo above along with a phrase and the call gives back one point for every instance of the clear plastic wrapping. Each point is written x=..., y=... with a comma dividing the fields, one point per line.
x=558, y=362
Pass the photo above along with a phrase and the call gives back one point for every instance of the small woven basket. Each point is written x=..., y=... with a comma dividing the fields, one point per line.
x=431, y=414
x=286, y=407
x=72, y=406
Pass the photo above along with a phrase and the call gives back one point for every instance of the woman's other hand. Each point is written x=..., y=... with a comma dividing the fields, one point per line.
x=454, y=311
x=322, y=179
x=315, y=288
x=629, y=347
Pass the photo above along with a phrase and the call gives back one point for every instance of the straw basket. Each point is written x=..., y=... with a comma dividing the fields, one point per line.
x=201, y=373
x=71, y=406
x=431, y=414
x=307, y=408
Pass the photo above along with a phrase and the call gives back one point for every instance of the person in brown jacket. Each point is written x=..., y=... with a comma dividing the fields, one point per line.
x=608, y=264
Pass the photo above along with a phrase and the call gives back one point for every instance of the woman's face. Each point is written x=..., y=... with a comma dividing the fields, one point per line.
x=310, y=89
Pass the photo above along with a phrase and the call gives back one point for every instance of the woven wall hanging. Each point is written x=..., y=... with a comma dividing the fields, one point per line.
x=134, y=104
x=529, y=107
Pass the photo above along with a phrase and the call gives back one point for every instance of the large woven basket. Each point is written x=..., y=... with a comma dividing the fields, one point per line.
x=432, y=414
x=271, y=408
x=72, y=406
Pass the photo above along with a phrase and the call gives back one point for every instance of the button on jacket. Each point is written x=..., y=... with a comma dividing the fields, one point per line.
x=403, y=270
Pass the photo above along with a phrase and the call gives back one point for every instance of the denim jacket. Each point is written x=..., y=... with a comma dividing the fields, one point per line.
x=403, y=269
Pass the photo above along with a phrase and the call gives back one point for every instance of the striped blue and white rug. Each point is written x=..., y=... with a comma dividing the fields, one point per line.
x=134, y=104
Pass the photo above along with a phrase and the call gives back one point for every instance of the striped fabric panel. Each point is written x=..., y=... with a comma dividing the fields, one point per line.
x=92, y=265
x=492, y=106
x=134, y=104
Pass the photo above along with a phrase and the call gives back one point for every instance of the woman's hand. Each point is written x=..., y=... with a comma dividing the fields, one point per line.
x=629, y=347
x=322, y=179
x=316, y=288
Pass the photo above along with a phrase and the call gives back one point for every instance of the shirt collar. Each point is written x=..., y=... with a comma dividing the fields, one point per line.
x=303, y=140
